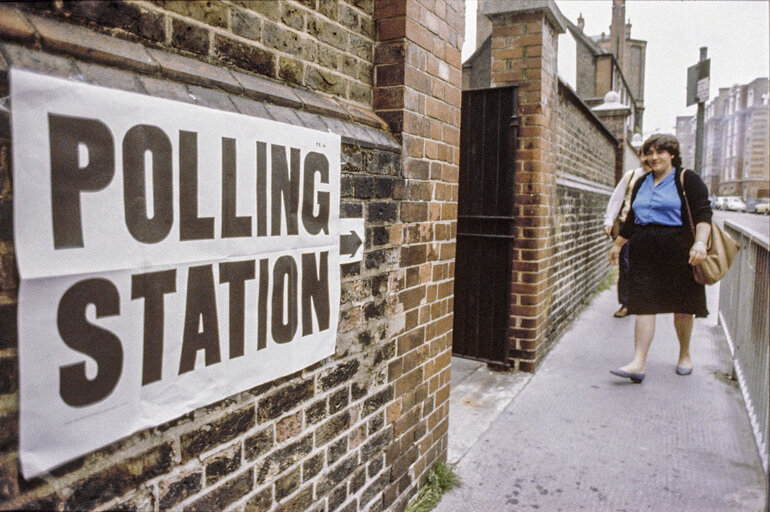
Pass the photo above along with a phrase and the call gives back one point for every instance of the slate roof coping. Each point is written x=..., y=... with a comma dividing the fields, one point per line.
x=23, y=35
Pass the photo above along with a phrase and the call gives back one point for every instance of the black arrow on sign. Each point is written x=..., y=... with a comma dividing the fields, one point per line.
x=349, y=244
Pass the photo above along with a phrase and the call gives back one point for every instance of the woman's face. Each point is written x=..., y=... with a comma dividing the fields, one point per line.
x=644, y=162
x=659, y=161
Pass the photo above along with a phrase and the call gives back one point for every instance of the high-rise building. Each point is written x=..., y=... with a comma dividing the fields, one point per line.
x=737, y=157
x=736, y=150
x=712, y=144
x=756, y=153
x=685, y=132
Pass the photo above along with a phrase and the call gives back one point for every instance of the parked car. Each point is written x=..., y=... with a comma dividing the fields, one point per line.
x=719, y=202
x=736, y=204
x=762, y=207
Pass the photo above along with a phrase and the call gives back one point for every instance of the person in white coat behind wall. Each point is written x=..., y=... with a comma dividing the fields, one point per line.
x=614, y=216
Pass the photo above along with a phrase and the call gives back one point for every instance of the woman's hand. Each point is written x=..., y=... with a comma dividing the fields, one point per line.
x=614, y=254
x=697, y=252
x=698, y=249
x=615, y=250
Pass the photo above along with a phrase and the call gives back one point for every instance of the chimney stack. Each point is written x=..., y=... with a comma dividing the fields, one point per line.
x=628, y=29
x=581, y=22
x=618, y=30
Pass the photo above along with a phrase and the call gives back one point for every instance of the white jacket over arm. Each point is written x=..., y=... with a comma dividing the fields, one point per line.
x=616, y=200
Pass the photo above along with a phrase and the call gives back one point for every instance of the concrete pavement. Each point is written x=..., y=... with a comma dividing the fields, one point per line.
x=574, y=437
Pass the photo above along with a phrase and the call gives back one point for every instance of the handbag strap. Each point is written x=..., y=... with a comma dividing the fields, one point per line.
x=687, y=203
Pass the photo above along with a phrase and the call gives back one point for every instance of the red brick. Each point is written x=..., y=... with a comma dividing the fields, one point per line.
x=412, y=212
x=410, y=341
x=508, y=30
x=389, y=75
x=388, y=98
x=391, y=28
x=392, y=412
x=535, y=27
x=408, y=381
x=389, y=9
x=418, y=34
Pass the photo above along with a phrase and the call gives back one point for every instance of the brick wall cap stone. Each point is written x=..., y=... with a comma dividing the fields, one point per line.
x=212, y=98
x=314, y=102
x=384, y=140
x=352, y=134
x=81, y=42
x=494, y=8
x=262, y=89
x=13, y=25
x=364, y=117
x=194, y=71
x=88, y=45
x=37, y=61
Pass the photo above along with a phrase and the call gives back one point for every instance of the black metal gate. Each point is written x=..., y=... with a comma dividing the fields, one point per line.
x=485, y=229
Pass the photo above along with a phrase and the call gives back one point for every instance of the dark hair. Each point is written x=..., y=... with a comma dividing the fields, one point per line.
x=664, y=142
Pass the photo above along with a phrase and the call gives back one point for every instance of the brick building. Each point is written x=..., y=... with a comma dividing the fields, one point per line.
x=566, y=163
x=685, y=133
x=735, y=144
x=737, y=123
x=630, y=55
x=357, y=430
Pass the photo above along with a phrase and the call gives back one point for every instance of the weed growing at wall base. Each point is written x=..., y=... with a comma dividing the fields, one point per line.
x=440, y=479
x=610, y=279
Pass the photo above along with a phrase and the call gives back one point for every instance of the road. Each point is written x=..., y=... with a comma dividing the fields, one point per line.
x=752, y=221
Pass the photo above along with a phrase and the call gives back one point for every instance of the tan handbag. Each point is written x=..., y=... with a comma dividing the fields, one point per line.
x=720, y=250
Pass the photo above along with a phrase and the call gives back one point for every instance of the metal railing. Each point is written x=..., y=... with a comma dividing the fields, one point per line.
x=744, y=304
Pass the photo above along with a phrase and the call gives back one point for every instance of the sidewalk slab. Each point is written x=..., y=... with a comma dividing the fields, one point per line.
x=576, y=437
x=478, y=396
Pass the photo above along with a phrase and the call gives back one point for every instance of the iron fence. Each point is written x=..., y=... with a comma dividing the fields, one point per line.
x=744, y=304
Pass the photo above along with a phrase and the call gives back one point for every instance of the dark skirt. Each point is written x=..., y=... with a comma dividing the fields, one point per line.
x=660, y=277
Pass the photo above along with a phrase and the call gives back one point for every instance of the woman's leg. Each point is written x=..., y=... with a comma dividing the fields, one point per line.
x=644, y=331
x=683, y=325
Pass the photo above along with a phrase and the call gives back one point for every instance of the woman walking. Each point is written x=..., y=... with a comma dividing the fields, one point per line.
x=617, y=211
x=662, y=252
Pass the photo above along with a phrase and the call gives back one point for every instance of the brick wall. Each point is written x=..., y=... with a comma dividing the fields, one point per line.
x=524, y=52
x=585, y=145
x=325, y=46
x=356, y=431
x=585, y=162
x=565, y=166
x=418, y=73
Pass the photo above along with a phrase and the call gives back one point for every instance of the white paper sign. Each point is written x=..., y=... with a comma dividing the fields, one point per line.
x=170, y=256
x=703, y=90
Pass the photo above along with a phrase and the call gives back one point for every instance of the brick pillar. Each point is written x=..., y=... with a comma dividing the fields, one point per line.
x=615, y=120
x=524, y=52
x=417, y=92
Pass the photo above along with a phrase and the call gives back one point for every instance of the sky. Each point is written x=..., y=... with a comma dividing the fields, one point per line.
x=735, y=33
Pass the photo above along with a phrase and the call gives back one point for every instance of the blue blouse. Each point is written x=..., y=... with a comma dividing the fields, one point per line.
x=658, y=204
